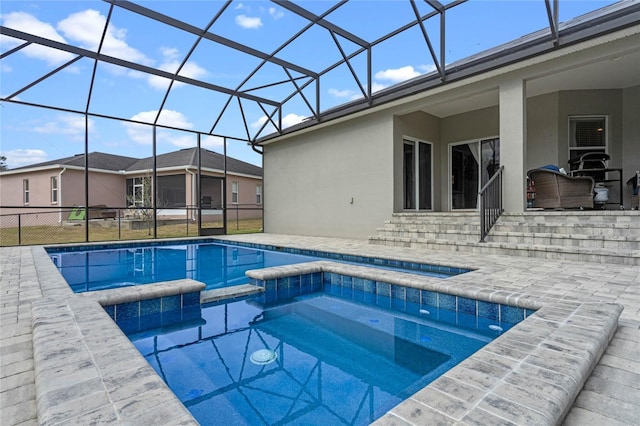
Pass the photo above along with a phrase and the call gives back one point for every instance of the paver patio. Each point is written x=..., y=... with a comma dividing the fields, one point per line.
x=611, y=396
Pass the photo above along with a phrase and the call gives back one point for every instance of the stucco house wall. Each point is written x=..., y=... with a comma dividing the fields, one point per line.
x=335, y=181
x=297, y=166
x=246, y=207
x=542, y=131
x=104, y=189
x=12, y=196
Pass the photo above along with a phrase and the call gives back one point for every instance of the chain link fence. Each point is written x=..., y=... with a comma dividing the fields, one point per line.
x=55, y=225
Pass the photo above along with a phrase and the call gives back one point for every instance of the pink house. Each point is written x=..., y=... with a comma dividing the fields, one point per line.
x=123, y=182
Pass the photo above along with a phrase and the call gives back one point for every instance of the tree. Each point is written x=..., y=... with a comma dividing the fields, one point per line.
x=141, y=200
x=3, y=163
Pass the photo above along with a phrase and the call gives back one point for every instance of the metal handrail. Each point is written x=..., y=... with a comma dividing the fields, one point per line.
x=490, y=203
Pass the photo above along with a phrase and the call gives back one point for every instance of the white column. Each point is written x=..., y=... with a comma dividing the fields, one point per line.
x=513, y=143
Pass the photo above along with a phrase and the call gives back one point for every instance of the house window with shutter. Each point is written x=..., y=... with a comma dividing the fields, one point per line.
x=587, y=134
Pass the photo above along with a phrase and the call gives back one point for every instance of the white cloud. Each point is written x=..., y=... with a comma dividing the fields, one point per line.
x=171, y=64
x=287, y=121
x=426, y=69
x=212, y=142
x=82, y=28
x=346, y=93
x=341, y=93
x=248, y=22
x=27, y=23
x=291, y=119
x=68, y=125
x=86, y=29
x=275, y=13
x=397, y=75
x=143, y=134
x=190, y=140
x=24, y=157
x=170, y=53
x=241, y=6
x=388, y=78
x=376, y=87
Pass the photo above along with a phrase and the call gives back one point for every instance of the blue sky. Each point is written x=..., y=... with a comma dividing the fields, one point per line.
x=30, y=135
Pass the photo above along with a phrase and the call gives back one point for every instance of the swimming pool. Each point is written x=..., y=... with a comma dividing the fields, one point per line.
x=218, y=265
x=316, y=359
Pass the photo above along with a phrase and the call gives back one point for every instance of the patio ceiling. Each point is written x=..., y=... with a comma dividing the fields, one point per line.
x=284, y=73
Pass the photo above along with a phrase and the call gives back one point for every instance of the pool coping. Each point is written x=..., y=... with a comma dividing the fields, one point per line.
x=529, y=375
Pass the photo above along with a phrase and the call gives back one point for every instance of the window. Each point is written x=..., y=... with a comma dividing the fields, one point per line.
x=258, y=194
x=234, y=192
x=587, y=134
x=25, y=190
x=417, y=173
x=54, y=189
x=138, y=192
x=172, y=191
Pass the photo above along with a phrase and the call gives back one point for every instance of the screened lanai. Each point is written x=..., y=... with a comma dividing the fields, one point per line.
x=143, y=79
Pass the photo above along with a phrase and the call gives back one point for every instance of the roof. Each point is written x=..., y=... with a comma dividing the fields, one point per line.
x=188, y=158
x=97, y=160
x=184, y=158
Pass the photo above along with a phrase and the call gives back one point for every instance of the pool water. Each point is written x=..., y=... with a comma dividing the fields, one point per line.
x=315, y=360
x=216, y=265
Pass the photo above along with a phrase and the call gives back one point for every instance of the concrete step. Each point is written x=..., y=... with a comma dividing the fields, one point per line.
x=431, y=227
x=592, y=229
x=609, y=217
x=435, y=217
x=595, y=255
x=448, y=234
x=566, y=240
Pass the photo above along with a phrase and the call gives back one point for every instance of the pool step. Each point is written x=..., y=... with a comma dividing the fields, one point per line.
x=593, y=236
x=235, y=291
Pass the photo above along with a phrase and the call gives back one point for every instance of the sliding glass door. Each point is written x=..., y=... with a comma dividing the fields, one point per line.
x=472, y=164
x=417, y=183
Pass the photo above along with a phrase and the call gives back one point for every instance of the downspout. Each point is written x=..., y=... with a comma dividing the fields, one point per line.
x=60, y=194
x=193, y=191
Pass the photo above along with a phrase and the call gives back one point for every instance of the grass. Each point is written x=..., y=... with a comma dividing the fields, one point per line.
x=59, y=234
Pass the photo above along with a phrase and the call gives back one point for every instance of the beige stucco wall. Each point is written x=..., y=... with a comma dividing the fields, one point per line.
x=336, y=181
x=11, y=191
x=104, y=188
x=246, y=207
x=11, y=194
x=542, y=131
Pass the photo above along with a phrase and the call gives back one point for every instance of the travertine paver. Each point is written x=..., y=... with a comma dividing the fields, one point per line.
x=610, y=396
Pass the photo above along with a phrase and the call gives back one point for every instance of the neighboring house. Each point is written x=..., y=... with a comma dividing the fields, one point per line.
x=428, y=145
x=124, y=182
